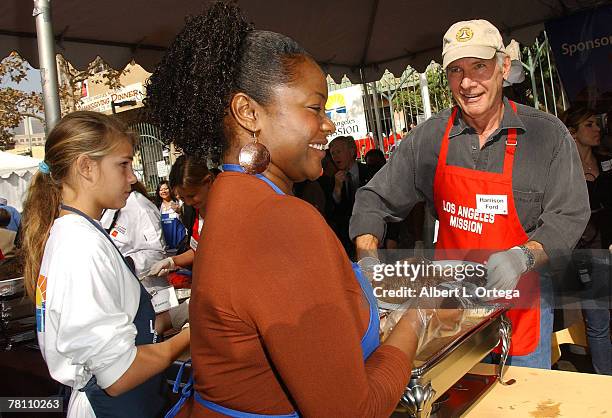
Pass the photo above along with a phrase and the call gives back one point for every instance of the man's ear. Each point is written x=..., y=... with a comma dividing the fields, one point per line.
x=245, y=111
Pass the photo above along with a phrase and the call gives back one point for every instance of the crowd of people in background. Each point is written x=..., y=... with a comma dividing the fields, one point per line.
x=260, y=247
x=592, y=258
x=333, y=194
x=159, y=233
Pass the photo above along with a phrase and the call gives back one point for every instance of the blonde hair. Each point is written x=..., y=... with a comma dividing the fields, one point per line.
x=79, y=133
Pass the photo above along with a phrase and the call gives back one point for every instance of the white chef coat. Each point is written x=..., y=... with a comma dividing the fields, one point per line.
x=137, y=232
x=86, y=301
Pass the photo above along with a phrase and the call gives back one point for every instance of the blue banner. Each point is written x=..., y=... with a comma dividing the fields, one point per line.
x=582, y=47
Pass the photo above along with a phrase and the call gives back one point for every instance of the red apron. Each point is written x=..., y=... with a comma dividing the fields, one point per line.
x=195, y=232
x=462, y=228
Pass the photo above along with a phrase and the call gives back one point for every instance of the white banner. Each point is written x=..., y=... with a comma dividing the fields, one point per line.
x=345, y=108
x=102, y=102
x=163, y=169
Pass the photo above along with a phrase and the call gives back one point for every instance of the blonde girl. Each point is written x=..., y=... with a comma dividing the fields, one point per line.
x=97, y=329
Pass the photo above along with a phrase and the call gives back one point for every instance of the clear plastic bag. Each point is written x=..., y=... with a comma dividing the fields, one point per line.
x=439, y=318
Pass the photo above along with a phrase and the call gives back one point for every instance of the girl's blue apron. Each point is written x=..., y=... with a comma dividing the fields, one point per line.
x=369, y=342
x=146, y=399
x=174, y=231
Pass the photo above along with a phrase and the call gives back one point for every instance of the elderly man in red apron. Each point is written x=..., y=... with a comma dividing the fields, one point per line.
x=503, y=179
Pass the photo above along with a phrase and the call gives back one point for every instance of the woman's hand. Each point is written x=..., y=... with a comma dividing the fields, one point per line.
x=163, y=267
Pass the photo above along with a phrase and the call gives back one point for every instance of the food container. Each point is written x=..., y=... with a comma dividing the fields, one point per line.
x=465, y=330
x=11, y=287
x=17, y=331
x=443, y=362
x=15, y=308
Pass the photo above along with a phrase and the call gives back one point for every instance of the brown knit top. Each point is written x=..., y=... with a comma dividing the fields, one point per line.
x=277, y=315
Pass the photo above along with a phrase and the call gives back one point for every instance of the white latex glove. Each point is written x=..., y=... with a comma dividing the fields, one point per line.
x=367, y=265
x=163, y=267
x=179, y=315
x=428, y=324
x=504, y=269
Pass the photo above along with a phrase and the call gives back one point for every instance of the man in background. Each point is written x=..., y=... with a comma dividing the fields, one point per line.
x=350, y=176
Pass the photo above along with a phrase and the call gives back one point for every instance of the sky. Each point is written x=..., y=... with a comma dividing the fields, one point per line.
x=31, y=83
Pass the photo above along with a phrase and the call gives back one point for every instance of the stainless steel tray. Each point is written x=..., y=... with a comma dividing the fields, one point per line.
x=11, y=287
x=15, y=308
x=443, y=362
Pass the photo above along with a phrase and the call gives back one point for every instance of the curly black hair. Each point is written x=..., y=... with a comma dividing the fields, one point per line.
x=216, y=55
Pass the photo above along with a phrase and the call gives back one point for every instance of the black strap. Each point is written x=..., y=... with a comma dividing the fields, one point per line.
x=113, y=222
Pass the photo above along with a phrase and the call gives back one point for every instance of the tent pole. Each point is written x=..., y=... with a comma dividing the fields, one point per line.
x=379, y=132
x=374, y=114
x=366, y=95
x=425, y=94
x=46, y=56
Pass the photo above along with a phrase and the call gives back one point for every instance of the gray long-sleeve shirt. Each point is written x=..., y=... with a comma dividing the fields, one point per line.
x=547, y=179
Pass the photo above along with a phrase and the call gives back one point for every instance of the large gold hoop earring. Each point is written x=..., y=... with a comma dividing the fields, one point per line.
x=254, y=157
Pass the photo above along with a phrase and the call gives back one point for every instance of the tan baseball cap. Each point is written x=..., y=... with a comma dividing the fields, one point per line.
x=471, y=38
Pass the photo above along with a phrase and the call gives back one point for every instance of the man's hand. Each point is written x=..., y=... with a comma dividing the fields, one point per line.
x=504, y=269
x=366, y=246
x=339, y=178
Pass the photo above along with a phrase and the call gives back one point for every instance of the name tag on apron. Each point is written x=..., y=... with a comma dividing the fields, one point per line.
x=163, y=299
x=606, y=165
x=193, y=243
x=496, y=204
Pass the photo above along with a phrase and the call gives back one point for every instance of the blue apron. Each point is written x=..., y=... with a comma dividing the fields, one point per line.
x=147, y=399
x=369, y=342
x=173, y=230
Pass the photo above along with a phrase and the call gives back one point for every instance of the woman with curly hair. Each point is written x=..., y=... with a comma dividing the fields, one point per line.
x=281, y=324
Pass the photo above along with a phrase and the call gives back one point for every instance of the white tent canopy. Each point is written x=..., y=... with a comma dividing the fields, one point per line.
x=16, y=164
x=345, y=36
x=16, y=171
